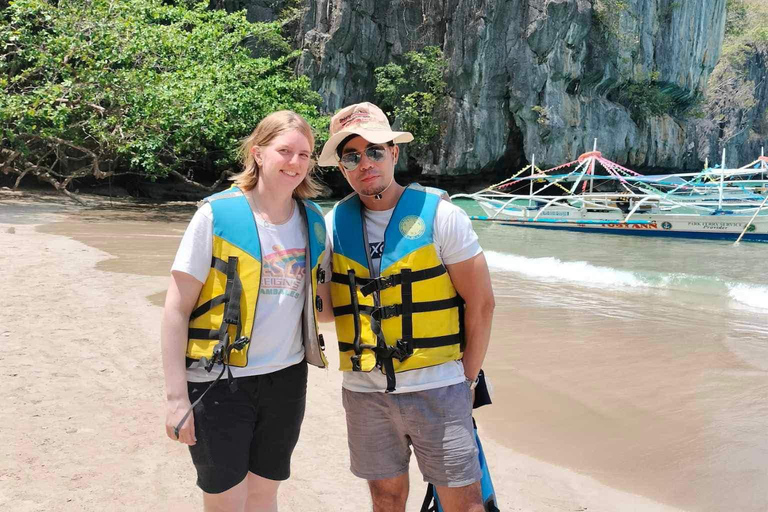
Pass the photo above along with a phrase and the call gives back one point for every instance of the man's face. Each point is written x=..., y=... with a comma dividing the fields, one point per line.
x=369, y=177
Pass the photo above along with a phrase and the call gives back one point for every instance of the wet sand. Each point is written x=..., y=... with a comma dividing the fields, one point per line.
x=83, y=429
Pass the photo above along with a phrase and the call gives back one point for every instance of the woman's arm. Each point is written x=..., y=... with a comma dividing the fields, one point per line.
x=179, y=302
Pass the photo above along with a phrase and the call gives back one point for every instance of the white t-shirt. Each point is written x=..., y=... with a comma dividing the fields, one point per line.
x=276, y=336
x=455, y=241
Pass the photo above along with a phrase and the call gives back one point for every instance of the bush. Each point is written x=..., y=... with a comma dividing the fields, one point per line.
x=136, y=86
x=412, y=92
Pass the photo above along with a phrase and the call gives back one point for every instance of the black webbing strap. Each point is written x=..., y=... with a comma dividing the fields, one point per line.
x=219, y=356
x=382, y=283
x=368, y=286
x=406, y=292
x=233, y=291
x=203, y=334
x=385, y=312
x=207, y=306
x=349, y=309
x=429, y=504
x=437, y=341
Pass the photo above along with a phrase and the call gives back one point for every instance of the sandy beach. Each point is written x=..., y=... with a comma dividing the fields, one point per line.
x=82, y=429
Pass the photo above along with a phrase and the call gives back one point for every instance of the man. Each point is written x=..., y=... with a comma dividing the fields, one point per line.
x=402, y=259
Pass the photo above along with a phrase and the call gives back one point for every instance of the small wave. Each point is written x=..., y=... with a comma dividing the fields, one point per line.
x=749, y=294
x=595, y=276
x=574, y=271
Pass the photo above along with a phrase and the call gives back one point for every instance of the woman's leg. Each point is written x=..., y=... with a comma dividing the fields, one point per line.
x=231, y=500
x=262, y=494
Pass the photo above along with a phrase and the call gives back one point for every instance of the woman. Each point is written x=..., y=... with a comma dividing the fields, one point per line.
x=235, y=371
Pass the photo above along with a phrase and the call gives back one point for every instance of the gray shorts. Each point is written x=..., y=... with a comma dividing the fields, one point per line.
x=436, y=422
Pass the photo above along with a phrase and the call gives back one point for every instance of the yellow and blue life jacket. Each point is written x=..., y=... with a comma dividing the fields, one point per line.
x=409, y=315
x=221, y=324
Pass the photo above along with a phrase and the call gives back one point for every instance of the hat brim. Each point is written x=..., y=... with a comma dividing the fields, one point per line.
x=328, y=157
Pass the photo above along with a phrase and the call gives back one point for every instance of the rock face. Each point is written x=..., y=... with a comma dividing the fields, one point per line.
x=738, y=108
x=529, y=77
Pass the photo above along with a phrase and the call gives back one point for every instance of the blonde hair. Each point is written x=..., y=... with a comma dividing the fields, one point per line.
x=274, y=125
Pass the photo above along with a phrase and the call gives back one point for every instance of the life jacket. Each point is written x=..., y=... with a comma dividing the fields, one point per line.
x=220, y=326
x=408, y=316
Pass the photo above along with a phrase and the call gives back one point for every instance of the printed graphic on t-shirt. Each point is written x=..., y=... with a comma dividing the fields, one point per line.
x=377, y=249
x=283, y=271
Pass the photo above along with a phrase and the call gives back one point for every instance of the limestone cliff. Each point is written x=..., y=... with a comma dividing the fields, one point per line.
x=529, y=77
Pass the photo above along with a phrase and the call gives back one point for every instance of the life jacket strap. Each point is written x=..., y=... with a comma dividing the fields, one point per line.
x=231, y=298
x=385, y=312
x=414, y=343
x=370, y=285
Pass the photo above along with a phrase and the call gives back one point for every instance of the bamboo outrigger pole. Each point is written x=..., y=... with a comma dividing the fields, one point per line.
x=533, y=171
x=722, y=179
x=751, y=220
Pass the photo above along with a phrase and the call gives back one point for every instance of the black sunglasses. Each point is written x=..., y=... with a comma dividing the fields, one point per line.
x=351, y=160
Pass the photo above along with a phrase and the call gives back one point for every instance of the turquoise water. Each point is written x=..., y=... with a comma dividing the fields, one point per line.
x=640, y=361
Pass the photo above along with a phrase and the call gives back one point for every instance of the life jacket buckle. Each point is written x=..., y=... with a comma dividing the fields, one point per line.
x=320, y=275
x=216, y=357
x=386, y=312
x=356, y=366
x=378, y=284
x=403, y=350
x=240, y=344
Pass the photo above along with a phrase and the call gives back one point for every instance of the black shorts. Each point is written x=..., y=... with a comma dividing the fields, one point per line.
x=253, y=429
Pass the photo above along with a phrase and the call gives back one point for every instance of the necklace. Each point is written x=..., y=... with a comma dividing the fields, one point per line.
x=262, y=216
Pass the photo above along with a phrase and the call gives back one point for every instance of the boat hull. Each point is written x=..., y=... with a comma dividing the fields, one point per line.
x=710, y=227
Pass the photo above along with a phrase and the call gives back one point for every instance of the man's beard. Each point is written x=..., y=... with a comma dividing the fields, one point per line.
x=376, y=191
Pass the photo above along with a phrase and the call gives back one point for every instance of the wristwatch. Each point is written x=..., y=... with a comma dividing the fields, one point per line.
x=472, y=383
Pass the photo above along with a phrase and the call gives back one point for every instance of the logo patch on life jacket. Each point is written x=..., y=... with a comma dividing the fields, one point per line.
x=377, y=249
x=319, y=233
x=412, y=227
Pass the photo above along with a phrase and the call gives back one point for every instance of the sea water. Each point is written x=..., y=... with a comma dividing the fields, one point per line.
x=642, y=362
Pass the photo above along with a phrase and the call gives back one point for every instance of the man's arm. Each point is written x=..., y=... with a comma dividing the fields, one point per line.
x=473, y=282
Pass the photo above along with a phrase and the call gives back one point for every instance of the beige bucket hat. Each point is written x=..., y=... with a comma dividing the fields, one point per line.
x=363, y=119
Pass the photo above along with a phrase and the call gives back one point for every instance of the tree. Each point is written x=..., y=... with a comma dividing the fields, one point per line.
x=108, y=87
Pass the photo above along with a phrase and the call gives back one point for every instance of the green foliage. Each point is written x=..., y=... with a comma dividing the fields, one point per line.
x=607, y=15
x=139, y=86
x=412, y=92
x=542, y=114
x=736, y=17
x=651, y=98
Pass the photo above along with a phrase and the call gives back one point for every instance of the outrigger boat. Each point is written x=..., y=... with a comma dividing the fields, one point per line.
x=622, y=201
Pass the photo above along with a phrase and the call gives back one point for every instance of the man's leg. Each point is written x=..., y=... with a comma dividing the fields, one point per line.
x=389, y=494
x=440, y=428
x=461, y=499
x=378, y=448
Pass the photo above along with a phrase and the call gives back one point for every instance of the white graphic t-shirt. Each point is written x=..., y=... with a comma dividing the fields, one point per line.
x=276, y=338
x=455, y=241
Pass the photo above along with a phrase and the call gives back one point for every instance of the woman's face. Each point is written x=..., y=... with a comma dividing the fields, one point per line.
x=284, y=162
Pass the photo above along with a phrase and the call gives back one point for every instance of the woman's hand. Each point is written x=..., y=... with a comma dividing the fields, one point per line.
x=174, y=412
